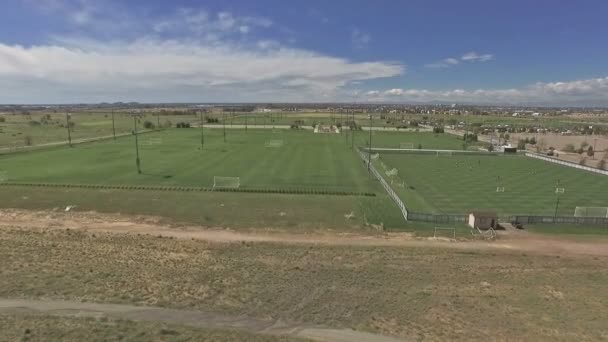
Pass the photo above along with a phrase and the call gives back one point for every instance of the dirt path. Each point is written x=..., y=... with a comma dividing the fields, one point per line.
x=197, y=319
x=115, y=223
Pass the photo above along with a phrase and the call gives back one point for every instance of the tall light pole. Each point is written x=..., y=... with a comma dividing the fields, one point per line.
x=113, y=125
x=67, y=124
x=224, y=122
x=137, y=161
x=157, y=120
x=354, y=128
x=202, y=131
x=369, y=150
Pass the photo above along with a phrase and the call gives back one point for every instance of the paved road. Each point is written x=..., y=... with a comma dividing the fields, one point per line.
x=199, y=319
x=65, y=142
x=365, y=128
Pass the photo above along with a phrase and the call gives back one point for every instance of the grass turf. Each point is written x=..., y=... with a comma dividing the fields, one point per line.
x=173, y=157
x=457, y=184
x=412, y=293
x=34, y=327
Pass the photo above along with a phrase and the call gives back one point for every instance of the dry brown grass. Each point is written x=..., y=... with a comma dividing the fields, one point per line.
x=418, y=293
x=20, y=327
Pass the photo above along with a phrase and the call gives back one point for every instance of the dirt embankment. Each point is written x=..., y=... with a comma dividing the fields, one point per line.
x=559, y=142
x=90, y=221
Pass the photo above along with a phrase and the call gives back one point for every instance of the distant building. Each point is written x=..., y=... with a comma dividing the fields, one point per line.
x=483, y=219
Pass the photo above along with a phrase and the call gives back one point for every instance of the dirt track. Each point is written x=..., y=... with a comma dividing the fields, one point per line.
x=519, y=242
x=184, y=317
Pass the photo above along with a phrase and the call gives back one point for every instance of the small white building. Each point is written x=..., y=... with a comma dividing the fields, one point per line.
x=483, y=219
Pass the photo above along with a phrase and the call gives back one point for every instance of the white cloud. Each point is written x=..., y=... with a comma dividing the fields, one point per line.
x=154, y=70
x=469, y=57
x=209, y=26
x=475, y=57
x=590, y=92
x=443, y=63
x=359, y=38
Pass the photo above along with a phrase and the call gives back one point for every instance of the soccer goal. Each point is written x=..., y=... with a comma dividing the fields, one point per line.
x=591, y=212
x=226, y=182
x=375, y=156
x=274, y=143
x=560, y=190
x=406, y=145
x=439, y=231
x=3, y=176
x=500, y=189
x=444, y=153
x=392, y=172
x=152, y=141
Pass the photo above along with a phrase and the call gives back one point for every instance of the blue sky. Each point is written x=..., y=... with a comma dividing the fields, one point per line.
x=513, y=52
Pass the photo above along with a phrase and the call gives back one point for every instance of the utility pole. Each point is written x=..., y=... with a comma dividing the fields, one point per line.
x=67, y=124
x=224, y=122
x=556, y=206
x=245, y=121
x=369, y=150
x=344, y=128
x=594, y=143
x=137, y=162
x=354, y=128
x=202, y=131
x=157, y=120
x=113, y=126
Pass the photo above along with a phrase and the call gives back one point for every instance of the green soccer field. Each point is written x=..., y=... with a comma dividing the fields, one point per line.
x=458, y=184
x=173, y=157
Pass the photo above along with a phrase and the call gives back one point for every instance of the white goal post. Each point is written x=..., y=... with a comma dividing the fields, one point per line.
x=444, y=153
x=226, y=182
x=560, y=190
x=591, y=212
x=274, y=143
x=500, y=189
x=3, y=176
x=375, y=156
x=450, y=231
x=392, y=172
x=407, y=145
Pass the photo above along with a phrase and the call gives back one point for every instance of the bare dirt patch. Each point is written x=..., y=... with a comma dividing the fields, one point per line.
x=559, y=141
x=116, y=223
x=383, y=284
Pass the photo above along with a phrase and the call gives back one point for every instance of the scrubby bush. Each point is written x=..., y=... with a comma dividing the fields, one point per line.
x=590, y=151
x=438, y=129
x=183, y=125
x=521, y=144
x=569, y=148
x=148, y=125
x=2, y=119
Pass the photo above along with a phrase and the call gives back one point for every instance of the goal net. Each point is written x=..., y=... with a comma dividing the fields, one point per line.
x=591, y=212
x=500, y=189
x=152, y=141
x=444, y=232
x=274, y=143
x=3, y=176
x=375, y=156
x=392, y=172
x=560, y=190
x=406, y=145
x=226, y=182
x=444, y=153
